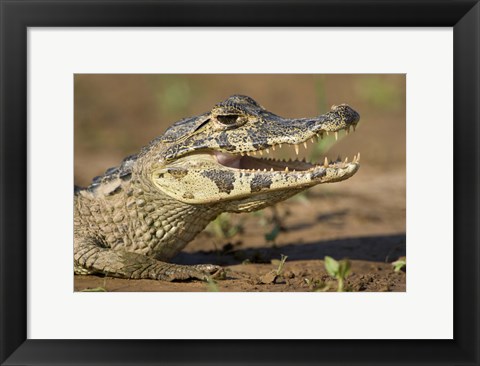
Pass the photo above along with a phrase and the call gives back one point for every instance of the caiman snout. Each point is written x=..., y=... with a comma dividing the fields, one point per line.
x=340, y=117
x=346, y=112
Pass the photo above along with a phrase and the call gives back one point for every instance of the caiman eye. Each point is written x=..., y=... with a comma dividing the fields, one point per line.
x=229, y=119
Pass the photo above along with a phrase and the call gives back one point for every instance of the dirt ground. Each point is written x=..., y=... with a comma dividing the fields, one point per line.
x=361, y=219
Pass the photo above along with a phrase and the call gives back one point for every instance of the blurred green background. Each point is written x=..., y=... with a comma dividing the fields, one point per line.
x=116, y=114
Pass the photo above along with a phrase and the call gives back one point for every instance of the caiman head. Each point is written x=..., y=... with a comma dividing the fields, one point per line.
x=223, y=156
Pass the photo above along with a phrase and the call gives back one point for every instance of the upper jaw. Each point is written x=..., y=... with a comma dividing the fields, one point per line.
x=295, y=133
x=280, y=131
x=269, y=132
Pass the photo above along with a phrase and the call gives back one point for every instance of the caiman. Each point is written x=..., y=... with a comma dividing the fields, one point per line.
x=132, y=220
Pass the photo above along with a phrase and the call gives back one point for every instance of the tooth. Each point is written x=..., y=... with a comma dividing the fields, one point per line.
x=248, y=153
x=286, y=169
x=326, y=132
x=312, y=141
x=358, y=159
x=296, y=149
x=336, y=135
x=264, y=169
x=305, y=144
x=271, y=169
x=280, y=146
x=294, y=170
x=325, y=163
x=254, y=152
x=346, y=160
x=261, y=152
x=268, y=151
x=354, y=158
x=273, y=147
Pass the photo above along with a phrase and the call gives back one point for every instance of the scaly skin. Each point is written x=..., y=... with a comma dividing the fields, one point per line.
x=131, y=221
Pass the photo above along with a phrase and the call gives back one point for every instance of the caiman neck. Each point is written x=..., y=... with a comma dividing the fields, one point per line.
x=136, y=216
x=163, y=225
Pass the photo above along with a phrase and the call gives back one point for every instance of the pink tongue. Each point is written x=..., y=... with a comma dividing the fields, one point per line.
x=228, y=160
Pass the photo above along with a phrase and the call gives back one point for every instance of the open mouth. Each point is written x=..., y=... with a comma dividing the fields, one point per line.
x=266, y=160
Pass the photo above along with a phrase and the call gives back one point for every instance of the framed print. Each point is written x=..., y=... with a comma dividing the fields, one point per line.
x=206, y=103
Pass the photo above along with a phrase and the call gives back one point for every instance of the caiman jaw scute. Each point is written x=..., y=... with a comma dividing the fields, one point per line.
x=227, y=155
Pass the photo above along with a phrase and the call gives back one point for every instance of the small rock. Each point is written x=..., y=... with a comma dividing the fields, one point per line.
x=299, y=273
x=268, y=277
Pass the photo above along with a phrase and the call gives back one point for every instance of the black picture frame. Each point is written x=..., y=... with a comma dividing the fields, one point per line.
x=17, y=15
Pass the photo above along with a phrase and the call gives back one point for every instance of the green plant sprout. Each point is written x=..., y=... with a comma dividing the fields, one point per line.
x=272, y=235
x=338, y=270
x=99, y=288
x=223, y=227
x=317, y=285
x=275, y=274
x=280, y=263
x=212, y=285
x=260, y=217
x=399, y=264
